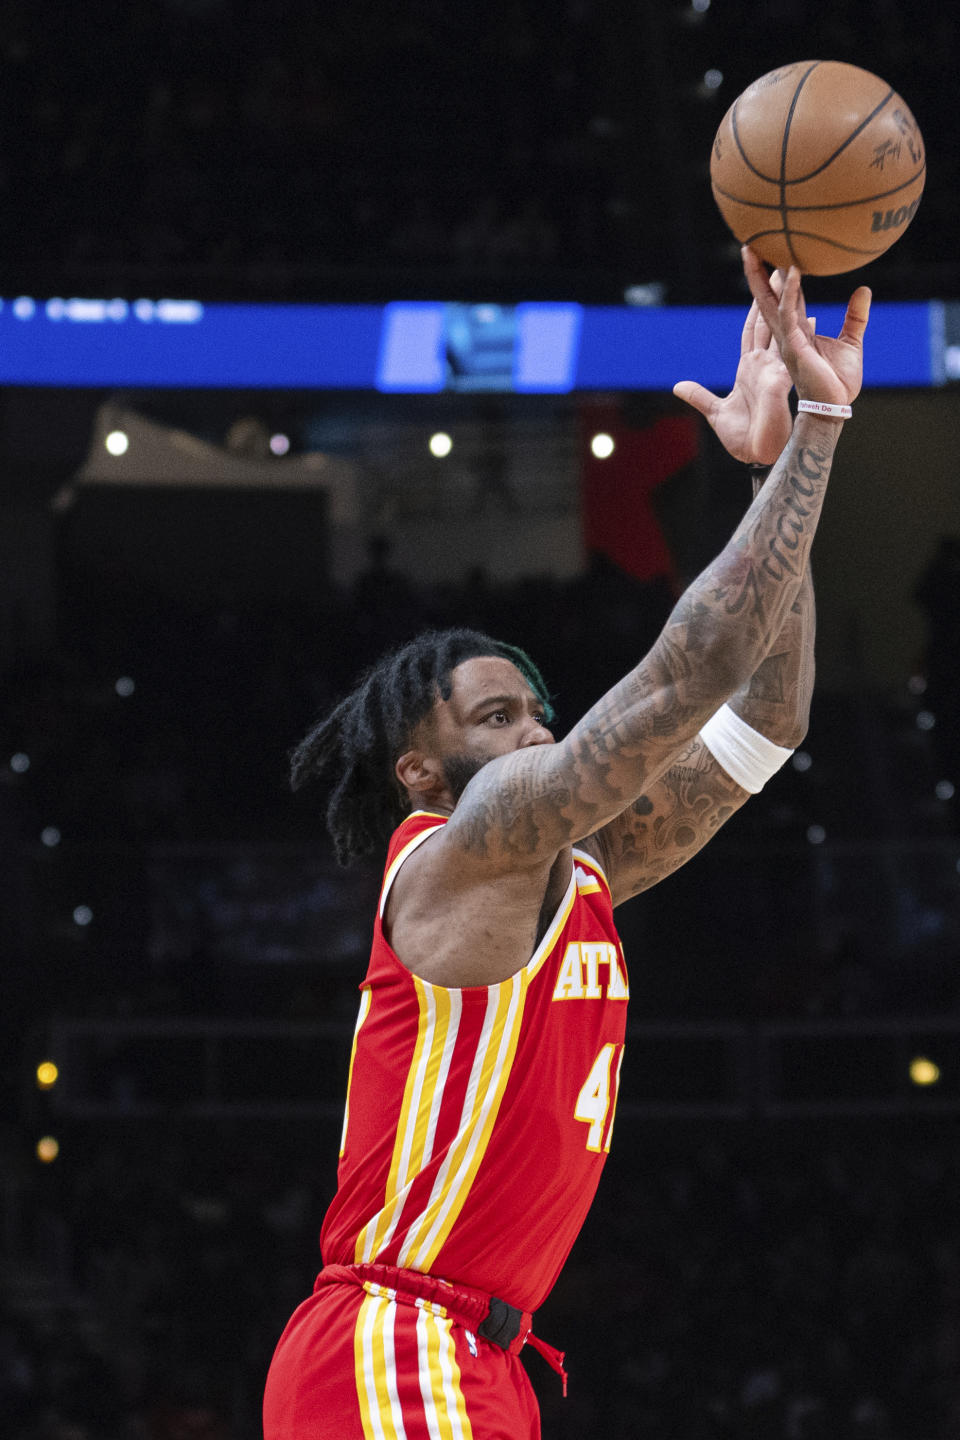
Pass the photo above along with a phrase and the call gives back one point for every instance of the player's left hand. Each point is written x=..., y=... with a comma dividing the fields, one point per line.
x=754, y=421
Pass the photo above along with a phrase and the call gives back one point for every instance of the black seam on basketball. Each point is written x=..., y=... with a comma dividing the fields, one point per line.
x=743, y=154
x=812, y=235
x=783, y=159
x=851, y=137
x=834, y=204
x=771, y=179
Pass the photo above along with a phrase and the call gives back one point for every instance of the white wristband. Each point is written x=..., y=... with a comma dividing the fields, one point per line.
x=820, y=407
x=747, y=756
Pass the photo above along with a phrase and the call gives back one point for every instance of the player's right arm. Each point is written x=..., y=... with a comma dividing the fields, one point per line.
x=676, y=816
x=534, y=801
x=524, y=807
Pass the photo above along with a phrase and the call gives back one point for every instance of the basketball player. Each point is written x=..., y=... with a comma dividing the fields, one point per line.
x=487, y=1053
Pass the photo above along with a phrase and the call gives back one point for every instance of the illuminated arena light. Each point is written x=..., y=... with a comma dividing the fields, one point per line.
x=924, y=1071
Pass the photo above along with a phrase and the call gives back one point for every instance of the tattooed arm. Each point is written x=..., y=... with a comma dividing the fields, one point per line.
x=776, y=699
x=525, y=806
x=674, y=818
x=467, y=908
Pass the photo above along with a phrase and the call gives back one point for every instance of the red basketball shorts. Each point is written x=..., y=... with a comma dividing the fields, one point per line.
x=360, y=1362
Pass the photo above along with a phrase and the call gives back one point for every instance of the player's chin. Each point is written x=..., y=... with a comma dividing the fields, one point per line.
x=459, y=770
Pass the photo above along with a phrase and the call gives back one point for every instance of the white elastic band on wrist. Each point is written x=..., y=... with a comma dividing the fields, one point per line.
x=820, y=407
x=747, y=756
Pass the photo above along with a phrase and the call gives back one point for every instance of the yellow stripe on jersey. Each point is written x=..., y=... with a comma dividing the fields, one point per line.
x=447, y=1006
x=437, y=1030
x=375, y=1371
x=413, y=1093
x=363, y=1375
x=444, y=1407
x=556, y=925
x=393, y=1427
x=365, y=998
x=492, y=1064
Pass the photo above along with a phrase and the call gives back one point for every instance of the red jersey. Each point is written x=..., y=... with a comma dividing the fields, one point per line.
x=478, y=1120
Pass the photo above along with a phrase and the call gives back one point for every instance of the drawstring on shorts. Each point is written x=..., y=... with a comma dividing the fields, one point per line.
x=494, y=1320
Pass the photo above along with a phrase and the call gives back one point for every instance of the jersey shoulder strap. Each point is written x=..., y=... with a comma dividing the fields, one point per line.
x=410, y=833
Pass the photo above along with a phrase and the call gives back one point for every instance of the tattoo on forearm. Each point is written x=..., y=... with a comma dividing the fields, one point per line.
x=776, y=700
x=514, y=810
x=653, y=838
x=726, y=624
x=780, y=524
x=767, y=681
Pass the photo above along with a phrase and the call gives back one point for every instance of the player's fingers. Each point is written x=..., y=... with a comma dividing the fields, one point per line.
x=698, y=396
x=759, y=282
x=858, y=313
x=763, y=337
x=791, y=308
x=748, y=339
x=806, y=322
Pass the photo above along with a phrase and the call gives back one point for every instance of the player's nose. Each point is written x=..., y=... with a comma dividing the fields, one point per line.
x=536, y=733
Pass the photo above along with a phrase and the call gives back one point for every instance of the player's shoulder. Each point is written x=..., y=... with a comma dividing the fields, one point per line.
x=413, y=829
x=416, y=823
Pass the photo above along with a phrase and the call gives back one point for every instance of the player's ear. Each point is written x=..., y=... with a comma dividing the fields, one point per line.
x=419, y=773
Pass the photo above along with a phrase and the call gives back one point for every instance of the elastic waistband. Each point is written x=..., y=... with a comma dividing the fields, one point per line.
x=483, y=1315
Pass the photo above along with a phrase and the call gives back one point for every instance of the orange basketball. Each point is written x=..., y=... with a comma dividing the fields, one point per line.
x=819, y=165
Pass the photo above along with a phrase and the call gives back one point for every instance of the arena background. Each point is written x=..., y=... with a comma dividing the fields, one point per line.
x=775, y=1250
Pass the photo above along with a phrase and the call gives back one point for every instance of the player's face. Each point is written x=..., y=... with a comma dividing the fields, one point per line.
x=491, y=711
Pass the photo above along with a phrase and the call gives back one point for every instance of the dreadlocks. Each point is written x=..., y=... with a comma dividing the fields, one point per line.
x=359, y=742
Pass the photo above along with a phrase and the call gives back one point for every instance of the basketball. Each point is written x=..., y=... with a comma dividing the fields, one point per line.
x=819, y=165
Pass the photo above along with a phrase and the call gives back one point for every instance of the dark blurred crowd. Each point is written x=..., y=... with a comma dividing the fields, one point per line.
x=216, y=134
x=761, y=1284
x=200, y=138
